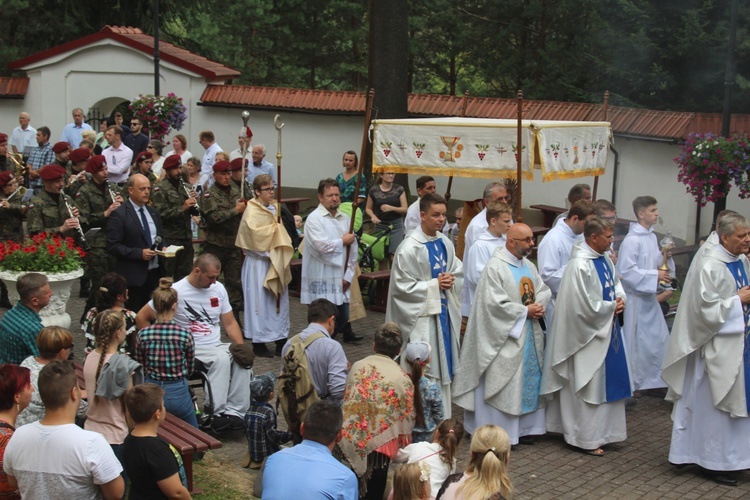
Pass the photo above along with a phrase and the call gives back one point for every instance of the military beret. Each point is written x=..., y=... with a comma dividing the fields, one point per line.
x=172, y=161
x=61, y=146
x=143, y=155
x=222, y=166
x=5, y=177
x=95, y=164
x=51, y=172
x=3, y=138
x=80, y=154
x=236, y=164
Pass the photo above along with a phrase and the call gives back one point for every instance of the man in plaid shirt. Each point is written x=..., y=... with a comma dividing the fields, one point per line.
x=263, y=438
x=21, y=325
x=40, y=156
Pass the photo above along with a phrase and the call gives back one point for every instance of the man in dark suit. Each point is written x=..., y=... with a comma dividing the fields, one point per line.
x=133, y=232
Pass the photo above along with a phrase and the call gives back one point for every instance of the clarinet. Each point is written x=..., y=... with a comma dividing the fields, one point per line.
x=84, y=243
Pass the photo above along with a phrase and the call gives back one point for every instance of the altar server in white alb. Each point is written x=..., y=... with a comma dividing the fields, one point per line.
x=426, y=279
x=645, y=331
x=585, y=365
x=265, y=271
x=494, y=191
x=707, y=365
x=555, y=248
x=502, y=354
x=499, y=220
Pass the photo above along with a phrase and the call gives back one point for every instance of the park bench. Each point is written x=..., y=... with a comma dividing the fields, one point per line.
x=185, y=438
x=382, y=281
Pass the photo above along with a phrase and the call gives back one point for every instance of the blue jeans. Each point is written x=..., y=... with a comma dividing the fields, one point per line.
x=177, y=399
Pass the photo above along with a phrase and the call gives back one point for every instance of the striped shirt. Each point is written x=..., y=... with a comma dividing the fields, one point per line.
x=18, y=330
x=166, y=350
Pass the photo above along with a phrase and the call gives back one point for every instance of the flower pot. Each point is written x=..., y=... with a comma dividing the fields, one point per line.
x=55, y=314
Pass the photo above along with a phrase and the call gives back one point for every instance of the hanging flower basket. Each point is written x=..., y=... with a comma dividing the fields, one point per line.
x=159, y=114
x=710, y=164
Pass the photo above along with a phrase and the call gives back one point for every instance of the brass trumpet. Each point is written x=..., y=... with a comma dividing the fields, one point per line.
x=191, y=194
x=20, y=189
x=17, y=159
x=112, y=193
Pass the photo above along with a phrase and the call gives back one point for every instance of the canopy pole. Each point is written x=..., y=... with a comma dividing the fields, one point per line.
x=605, y=104
x=278, y=125
x=519, y=156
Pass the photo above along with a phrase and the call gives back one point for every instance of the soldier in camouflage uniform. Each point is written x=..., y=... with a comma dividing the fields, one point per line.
x=222, y=211
x=47, y=211
x=95, y=203
x=176, y=208
x=238, y=178
x=62, y=154
x=75, y=171
x=11, y=223
x=142, y=165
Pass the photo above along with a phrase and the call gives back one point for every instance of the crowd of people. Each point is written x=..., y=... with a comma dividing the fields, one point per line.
x=562, y=345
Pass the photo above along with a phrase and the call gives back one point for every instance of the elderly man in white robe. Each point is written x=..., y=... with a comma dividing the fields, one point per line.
x=423, y=294
x=554, y=250
x=499, y=219
x=645, y=330
x=502, y=355
x=585, y=366
x=707, y=365
x=265, y=270
x=326, y=272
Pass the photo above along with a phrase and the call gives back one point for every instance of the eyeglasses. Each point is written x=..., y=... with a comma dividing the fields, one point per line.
x=530, y=239
x=610, y=219
x=267, y=189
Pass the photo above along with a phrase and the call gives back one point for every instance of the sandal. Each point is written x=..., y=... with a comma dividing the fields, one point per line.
x=599, y=452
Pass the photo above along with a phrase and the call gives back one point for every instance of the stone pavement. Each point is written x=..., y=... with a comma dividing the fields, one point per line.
x=636, y=468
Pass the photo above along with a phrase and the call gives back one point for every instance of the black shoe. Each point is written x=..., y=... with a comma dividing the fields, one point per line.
x=527, y=440
x=261, y=350
x=221, y=423
x=352, y=337
x=719, y=477
x=236, y=423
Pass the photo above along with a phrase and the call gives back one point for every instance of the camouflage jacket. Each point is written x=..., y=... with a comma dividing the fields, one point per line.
x=92, y=200
x=73, y=190
x=222, y=221
x=11, y=222
x=168, y=199
x=46, y=214
x=248, y=189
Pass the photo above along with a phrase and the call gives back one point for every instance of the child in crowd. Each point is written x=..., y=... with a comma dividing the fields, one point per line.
x=263, y=438
x=112, y=294
x=108, y=375
x=440, y=454
x=428, y=403
x=167, y=353
x=412, y=482
x=155, y=469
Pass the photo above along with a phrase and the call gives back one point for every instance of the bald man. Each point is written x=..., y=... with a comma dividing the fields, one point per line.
x=500, y=366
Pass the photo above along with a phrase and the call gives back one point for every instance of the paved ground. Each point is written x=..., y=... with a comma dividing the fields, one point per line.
x=636, y=468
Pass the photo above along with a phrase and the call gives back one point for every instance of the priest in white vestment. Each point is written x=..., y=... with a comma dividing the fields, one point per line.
x=426, y=278
x=502, y=354
x=645, y=330
x=707, y=364
x=265, y=270
x=585, y=364
x=499, y=219
x=554, y=250
x=326, y=273
x=494, y=191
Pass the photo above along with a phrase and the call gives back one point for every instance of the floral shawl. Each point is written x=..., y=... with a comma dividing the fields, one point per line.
x=378, y=409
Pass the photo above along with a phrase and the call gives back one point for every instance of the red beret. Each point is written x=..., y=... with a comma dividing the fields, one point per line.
x=80, y=154
x=3, y=138
x=172, y=161
x=143, y=155
x=59, y=147
x=51, y=172
x=95, y=164
x=222, y=166
x=5, y=177
x=237, y=164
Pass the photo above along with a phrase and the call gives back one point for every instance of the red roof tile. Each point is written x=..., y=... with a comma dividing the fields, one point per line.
x=135, y=38
x=13, y=87
x=669, y=125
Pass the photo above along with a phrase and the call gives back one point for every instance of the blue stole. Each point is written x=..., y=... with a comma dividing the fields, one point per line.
x=439, y=264
x=532, y=370
x=617, y=379
x=740, y=279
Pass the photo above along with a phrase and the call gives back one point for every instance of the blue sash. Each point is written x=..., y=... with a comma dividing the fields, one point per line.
x=532, y=369
x=439, y=264
x=615, y=364
x=740, y=279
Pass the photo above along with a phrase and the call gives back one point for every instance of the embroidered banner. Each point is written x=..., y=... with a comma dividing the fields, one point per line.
x=569, y=151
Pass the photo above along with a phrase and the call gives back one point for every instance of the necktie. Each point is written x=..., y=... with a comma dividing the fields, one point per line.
x=146, y=230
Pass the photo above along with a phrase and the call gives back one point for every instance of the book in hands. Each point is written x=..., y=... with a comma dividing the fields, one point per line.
x=170, y=251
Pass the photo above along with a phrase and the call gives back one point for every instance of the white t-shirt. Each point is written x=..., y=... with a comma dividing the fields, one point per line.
x=199, y=311
x=60, y=461
x=430, y=453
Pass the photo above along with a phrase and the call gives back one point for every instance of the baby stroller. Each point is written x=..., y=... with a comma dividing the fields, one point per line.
x=373, y=248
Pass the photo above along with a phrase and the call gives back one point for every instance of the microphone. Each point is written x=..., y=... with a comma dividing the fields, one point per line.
x=157, y=242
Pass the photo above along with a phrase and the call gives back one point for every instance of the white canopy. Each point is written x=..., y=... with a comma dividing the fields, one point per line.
x=481, y=147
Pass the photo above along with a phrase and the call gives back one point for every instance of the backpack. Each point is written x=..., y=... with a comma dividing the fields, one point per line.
x=294, y=388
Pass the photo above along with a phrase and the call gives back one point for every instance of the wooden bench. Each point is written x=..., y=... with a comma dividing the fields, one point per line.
x=185, y=438
x=295, y=285
x=382, y=281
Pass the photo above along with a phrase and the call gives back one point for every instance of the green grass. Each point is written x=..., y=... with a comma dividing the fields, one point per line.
x=220, y=481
